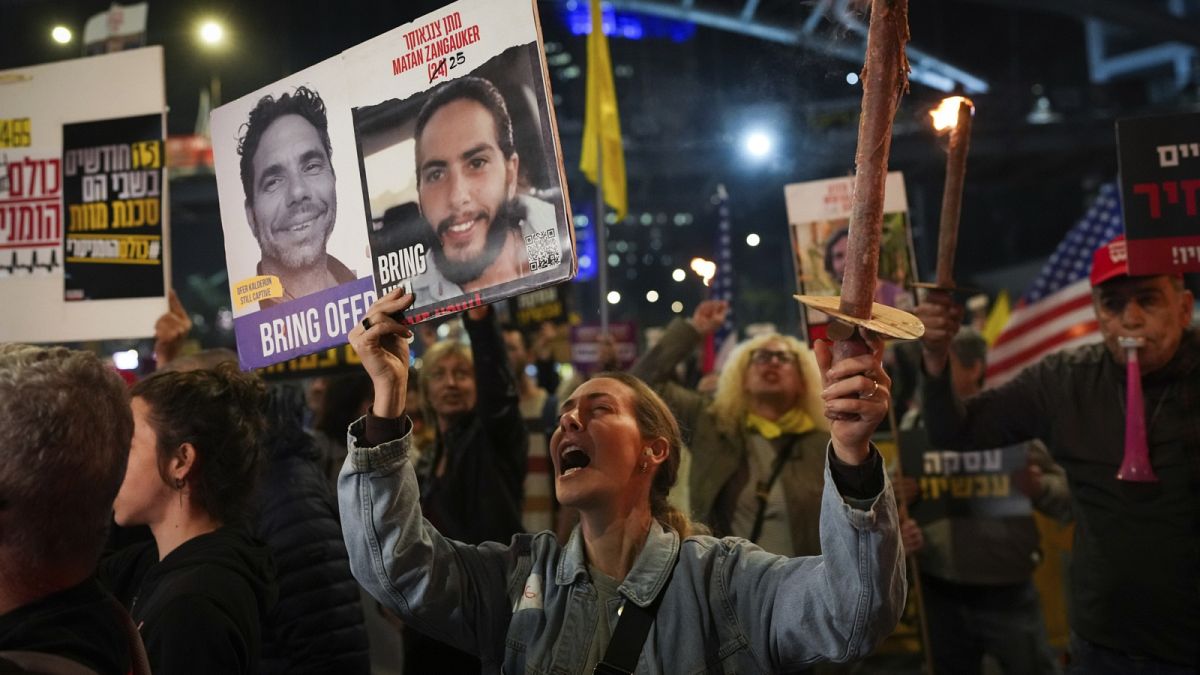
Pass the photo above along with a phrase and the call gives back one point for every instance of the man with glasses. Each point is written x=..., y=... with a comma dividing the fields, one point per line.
x=758, y=446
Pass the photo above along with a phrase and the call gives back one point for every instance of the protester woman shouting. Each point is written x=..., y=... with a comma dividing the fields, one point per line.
x=632, y=590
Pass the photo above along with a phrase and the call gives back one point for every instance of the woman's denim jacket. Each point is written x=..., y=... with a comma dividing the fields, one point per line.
x=530, y=606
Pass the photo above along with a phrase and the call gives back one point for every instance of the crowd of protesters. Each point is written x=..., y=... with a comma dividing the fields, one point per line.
x=484, y=512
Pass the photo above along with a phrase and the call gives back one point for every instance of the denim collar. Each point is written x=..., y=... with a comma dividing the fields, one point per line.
x=649, y=573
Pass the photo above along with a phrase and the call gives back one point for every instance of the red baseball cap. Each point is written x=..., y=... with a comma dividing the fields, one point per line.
x=1109, y=261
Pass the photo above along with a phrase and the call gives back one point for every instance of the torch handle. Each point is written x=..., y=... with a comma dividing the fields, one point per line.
x=848, y=348
x=956, y=169
x=853, y=346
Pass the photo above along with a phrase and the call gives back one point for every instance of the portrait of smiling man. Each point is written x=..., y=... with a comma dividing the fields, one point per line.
x=291, y=202
x=467, y=187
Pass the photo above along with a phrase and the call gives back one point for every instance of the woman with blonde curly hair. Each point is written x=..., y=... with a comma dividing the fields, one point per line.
x=730, y=404
x=758, y=447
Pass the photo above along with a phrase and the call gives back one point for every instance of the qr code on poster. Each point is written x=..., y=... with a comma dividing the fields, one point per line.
x=543, y=250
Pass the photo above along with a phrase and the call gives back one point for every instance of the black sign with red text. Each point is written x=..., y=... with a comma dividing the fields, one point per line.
x=112, y=175
x=1160, y=177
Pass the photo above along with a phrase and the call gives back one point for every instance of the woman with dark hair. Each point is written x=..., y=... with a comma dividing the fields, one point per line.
x=633, y=590
x=199, y=590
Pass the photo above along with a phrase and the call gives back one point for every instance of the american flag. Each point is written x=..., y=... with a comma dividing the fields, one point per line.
x=1056, y=312
x=722, y=341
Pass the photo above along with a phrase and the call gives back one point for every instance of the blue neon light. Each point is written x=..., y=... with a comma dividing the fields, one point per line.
x=630, y=26
x=585, y=247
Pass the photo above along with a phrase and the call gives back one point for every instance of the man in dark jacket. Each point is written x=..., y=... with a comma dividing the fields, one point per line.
x=1135, y=603
x=61, y=464
x=317, y=624
x=472, y=478
x=977, y=566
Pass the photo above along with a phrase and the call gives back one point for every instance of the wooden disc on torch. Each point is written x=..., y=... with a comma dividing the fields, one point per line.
x=889, y=321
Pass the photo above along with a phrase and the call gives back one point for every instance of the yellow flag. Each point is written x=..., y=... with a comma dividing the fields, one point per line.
x=997, y=318
x=601, y=124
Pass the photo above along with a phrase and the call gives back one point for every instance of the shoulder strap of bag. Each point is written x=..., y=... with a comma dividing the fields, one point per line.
x=763, y=489
x=629, y=636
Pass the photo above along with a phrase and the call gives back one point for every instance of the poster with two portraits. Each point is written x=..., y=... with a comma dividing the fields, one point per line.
x=426, y=158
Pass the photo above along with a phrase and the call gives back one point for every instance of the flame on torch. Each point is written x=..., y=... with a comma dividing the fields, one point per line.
x=706, y=269
x=945, y=116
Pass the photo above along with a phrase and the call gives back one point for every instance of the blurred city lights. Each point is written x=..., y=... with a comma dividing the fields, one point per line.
x=753, y=239
x=127, y=360
x=61, y=34
x=613, y=297
x=651, y=296
x=852, y=79
x=678, y=274
x=677, y=306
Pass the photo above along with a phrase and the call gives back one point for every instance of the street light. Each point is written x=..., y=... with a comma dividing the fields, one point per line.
x=212, y=36
x=758, y=144
x=61, y=34
x=211, y=33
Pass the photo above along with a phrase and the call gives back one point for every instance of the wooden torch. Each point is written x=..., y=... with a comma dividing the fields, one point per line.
x=884, y=78
x=954, y=117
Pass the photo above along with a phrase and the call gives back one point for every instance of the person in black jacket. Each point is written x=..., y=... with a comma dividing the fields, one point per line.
x=317, y=624
x=64, y=435
x=472, y=478
x=199, y=590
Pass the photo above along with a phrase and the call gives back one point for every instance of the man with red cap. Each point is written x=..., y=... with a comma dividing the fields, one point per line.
x=1135, y=576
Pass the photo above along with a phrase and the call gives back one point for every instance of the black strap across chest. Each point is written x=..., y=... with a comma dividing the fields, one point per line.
x=763, y=490
x=629, y=636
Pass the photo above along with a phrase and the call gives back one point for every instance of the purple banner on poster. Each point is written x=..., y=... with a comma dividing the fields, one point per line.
x=303, y=326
